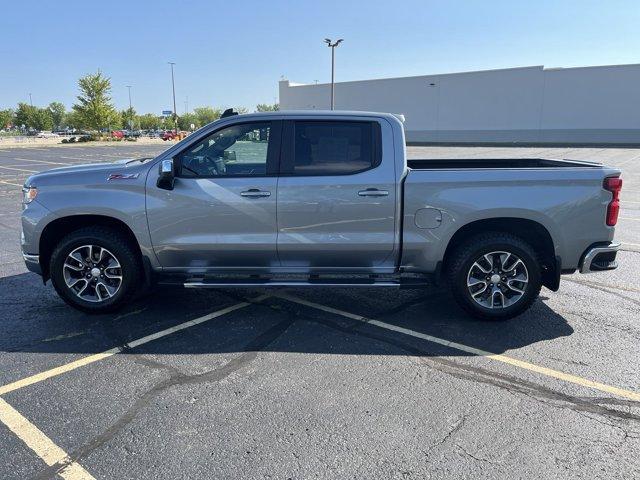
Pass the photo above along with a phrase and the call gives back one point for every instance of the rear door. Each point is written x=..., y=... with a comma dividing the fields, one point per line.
x=336, y=196
x=222, y=210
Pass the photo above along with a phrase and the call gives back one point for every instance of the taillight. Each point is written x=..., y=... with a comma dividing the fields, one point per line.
x=613, y=185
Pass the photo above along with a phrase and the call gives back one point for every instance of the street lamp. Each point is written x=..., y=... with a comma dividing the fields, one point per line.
x=130, y=109
x=173, y=86
x=333, y=65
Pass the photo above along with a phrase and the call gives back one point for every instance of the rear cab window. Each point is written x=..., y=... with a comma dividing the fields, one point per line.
x=330, y=147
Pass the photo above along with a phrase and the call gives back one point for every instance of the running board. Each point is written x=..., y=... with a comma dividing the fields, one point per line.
x=305, y=282
x=280, y=283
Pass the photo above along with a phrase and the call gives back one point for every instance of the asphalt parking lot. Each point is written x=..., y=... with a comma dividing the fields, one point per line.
x=323, y=383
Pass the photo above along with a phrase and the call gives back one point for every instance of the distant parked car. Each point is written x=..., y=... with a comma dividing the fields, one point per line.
x=132, y=133
x=169, y=135
x=117, y=134
x=46, y=135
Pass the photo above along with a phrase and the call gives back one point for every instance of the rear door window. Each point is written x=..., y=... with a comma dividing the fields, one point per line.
x=332, y=148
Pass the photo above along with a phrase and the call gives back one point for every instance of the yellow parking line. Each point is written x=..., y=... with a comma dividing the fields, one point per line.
x=42, y=445
x=19, y=169
x=10, y=183
x=41, y=161
x=472, y=350
x=54, y=372
x=39, y=377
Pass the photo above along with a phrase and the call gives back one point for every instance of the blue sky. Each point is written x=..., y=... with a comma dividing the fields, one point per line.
x=232, y=53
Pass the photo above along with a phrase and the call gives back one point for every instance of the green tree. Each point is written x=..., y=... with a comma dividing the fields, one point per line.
x=72, y=120
x=94, y=106
x=24, y=115
x=264, y=107
x=206, y=115
x=58, y=111
x=6, y=118
x=149, y=121
x=185, y=121
x=41, y=119
x=129, y=118
x=33, y=117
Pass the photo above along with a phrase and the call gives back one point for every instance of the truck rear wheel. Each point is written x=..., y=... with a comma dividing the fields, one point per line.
x=95, y=270
x=494, y=276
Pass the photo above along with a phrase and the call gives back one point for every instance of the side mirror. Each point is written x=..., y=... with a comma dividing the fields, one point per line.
x=166, y=176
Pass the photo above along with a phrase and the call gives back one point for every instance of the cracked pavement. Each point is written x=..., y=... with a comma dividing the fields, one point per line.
x=281, y=390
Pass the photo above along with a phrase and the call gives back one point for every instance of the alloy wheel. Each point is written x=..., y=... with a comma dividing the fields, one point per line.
x=497, y=279
x=92, y=273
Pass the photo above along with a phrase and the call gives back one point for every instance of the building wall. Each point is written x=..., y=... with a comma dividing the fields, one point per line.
x=528, y=105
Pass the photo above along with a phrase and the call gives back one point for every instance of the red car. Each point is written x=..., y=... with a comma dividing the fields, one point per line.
x=117, y=134
x=169, y=135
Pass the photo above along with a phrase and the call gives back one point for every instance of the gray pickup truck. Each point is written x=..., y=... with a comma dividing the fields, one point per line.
x=318, y=199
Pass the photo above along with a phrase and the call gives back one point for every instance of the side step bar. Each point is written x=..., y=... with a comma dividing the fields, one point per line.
x=280, y=283
x=312, y=282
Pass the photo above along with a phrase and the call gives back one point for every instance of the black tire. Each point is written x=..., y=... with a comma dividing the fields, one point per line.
x=116, y=244
x=463, y=259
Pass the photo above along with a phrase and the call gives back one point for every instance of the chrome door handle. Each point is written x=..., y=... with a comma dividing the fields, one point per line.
x=373, y=192
x=255, y=193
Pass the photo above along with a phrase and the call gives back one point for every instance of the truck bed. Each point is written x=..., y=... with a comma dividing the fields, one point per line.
x=482, y=163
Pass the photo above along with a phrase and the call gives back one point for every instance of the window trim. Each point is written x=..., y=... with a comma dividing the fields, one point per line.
x=273, y=151
x=287, y=160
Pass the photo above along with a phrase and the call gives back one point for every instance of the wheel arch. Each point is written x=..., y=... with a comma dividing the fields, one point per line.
x=530, y=231
x=54, y=231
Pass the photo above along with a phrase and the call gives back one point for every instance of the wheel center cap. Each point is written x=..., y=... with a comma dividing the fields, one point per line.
x=95, y=271
x=495, y=278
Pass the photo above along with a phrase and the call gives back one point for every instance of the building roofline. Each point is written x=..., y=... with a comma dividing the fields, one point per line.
x=468, y=72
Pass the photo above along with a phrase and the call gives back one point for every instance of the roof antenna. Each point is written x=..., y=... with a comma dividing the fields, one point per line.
x=228, y=113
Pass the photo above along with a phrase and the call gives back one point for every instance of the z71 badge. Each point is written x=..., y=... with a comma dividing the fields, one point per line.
x=123, y=176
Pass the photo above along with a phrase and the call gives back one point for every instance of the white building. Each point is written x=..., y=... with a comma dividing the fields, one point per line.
x=527, y=105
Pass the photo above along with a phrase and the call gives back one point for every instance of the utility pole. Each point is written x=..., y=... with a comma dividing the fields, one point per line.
x=173, y=87
x=130, y=109
x=30, y=100
x=333, y=65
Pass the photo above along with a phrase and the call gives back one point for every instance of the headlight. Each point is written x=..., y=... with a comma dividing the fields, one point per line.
x=29, y=194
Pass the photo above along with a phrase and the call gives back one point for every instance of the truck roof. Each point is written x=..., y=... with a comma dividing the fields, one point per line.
x=321, y=113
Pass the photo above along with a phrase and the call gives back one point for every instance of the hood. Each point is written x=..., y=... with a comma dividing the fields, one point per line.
x=89, y=172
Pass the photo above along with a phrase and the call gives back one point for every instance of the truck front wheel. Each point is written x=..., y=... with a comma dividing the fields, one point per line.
x=95, y=269
x=494, y=276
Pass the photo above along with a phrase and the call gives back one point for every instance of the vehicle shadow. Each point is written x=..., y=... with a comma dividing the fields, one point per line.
x=35, y=320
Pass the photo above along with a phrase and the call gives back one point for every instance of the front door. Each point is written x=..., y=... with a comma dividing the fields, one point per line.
x=222, y=210
x=336, y=196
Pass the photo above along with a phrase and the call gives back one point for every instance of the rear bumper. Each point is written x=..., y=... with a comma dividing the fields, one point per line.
x=600, y=257
x=32, y=262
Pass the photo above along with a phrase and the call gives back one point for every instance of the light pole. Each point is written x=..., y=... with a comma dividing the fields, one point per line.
x=173, y=87
x=130, y=109
x=333, y=65
x=30, y=100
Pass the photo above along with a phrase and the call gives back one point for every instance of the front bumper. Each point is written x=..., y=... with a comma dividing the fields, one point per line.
x=600, y=257
x=32, y=262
